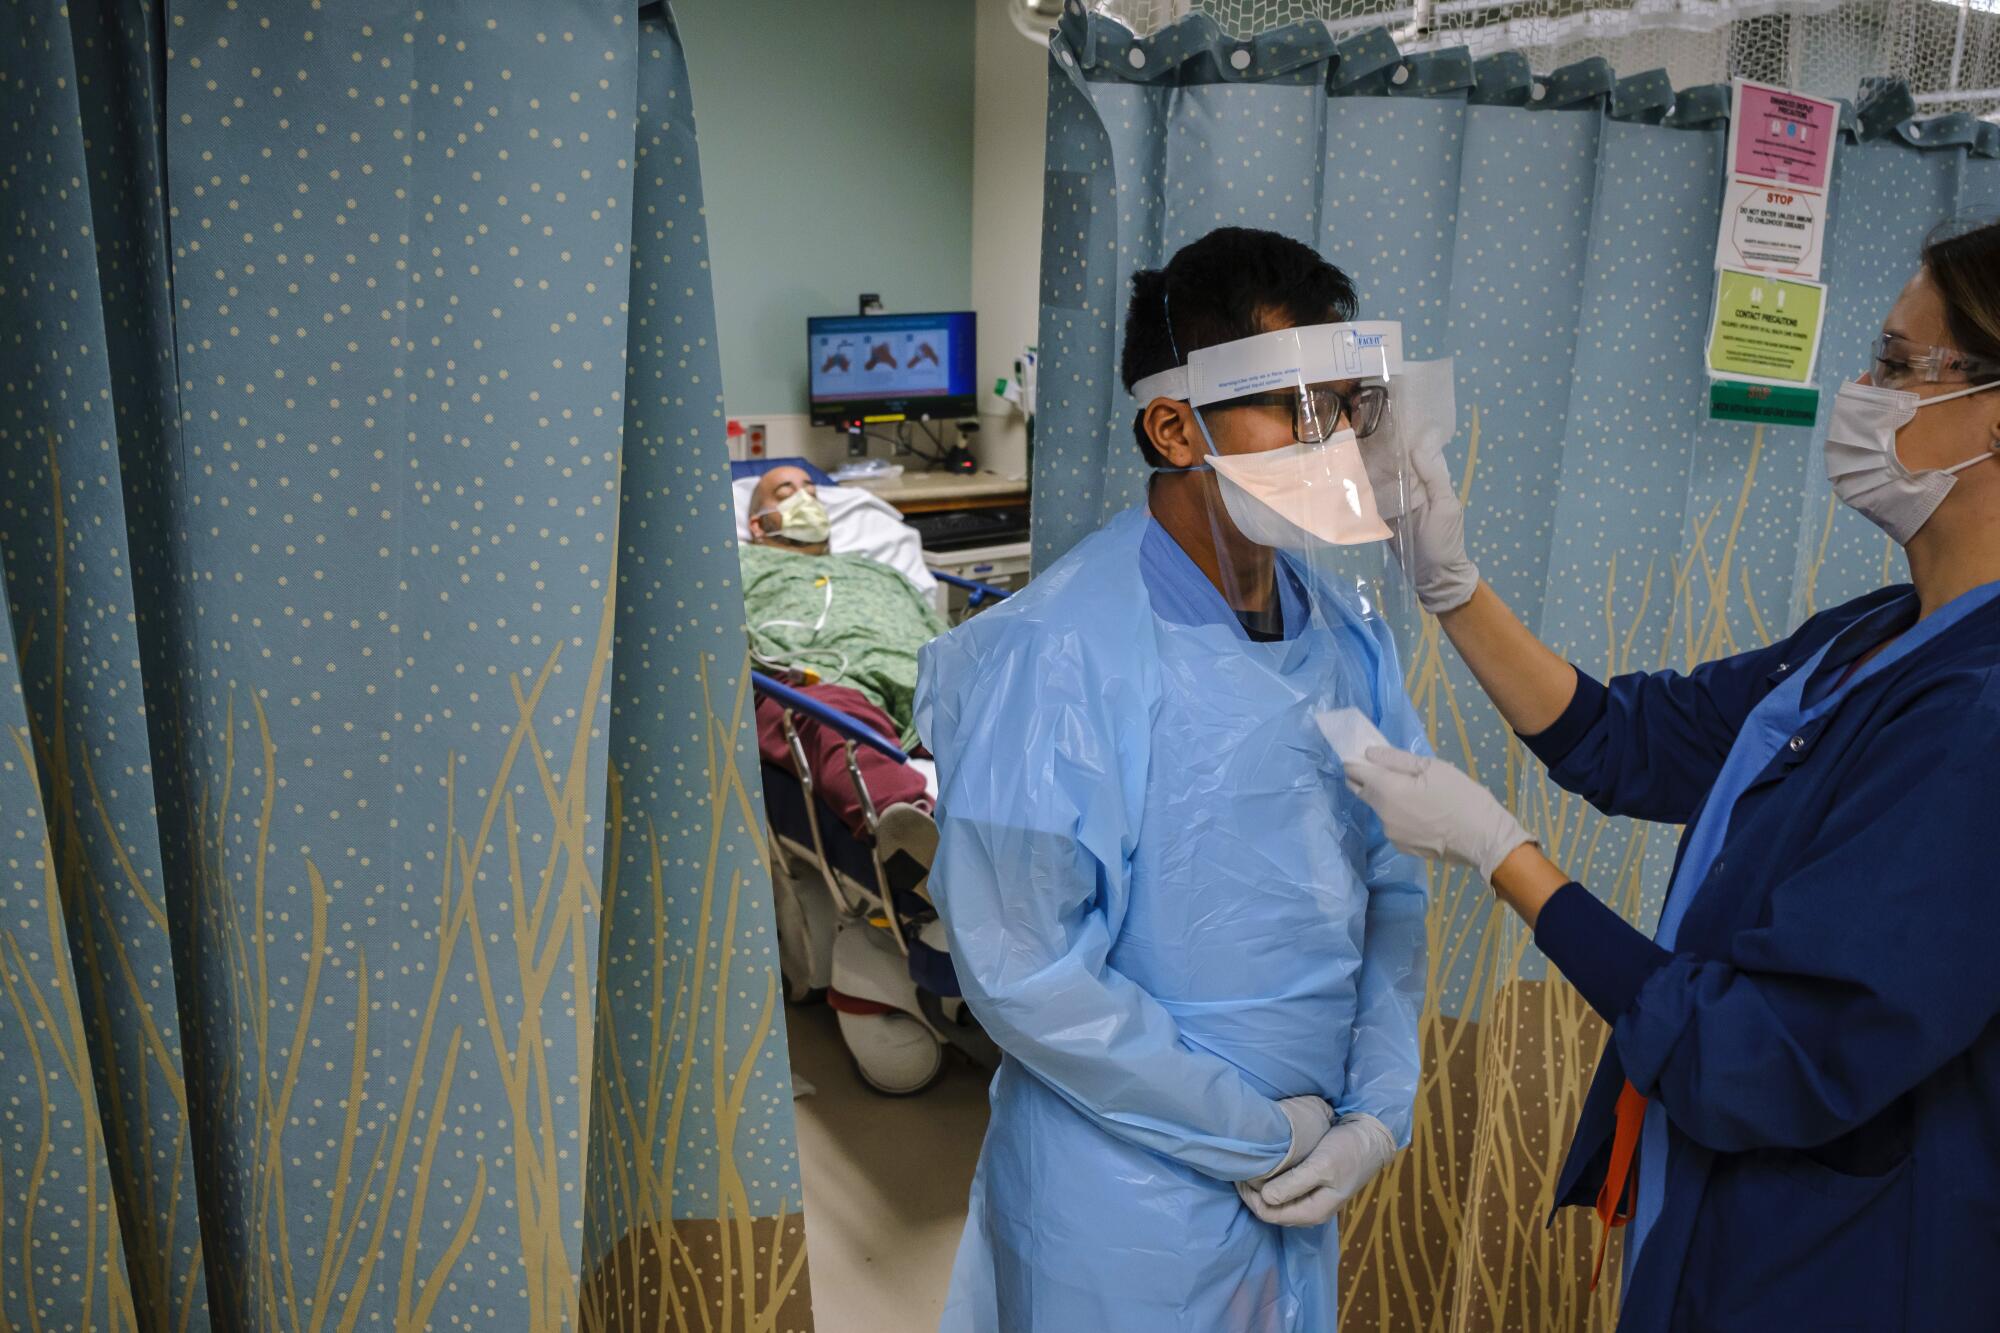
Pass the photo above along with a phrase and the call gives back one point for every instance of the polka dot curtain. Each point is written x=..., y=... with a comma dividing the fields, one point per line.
x=384, y=935
x=1555, y=235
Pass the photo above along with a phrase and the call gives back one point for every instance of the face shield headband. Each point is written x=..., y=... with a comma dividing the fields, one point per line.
x=1280, y=359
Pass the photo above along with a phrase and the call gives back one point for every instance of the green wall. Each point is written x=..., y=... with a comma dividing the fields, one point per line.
x=836, y=153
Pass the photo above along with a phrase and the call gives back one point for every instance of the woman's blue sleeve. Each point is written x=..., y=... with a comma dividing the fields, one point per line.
x=1650, y=744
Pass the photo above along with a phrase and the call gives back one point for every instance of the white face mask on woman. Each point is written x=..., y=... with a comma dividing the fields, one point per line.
x=1861, y=459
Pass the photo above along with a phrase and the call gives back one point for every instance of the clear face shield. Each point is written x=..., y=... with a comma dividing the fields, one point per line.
x=1303, y=464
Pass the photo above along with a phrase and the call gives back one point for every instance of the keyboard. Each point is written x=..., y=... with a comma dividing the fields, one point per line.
x=963, y=529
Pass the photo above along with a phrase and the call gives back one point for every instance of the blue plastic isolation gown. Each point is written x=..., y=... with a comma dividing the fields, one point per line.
x=1167, y=909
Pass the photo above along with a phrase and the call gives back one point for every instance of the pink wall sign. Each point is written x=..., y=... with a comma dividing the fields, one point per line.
x=1783, y=136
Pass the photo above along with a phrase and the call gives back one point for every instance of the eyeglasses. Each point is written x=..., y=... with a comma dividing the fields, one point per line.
x=1898, y=361
x=1317, y=412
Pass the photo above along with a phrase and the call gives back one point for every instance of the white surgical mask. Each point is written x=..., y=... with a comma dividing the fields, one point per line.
x=801, y=518
x=1861, y=459
x=1289, y=498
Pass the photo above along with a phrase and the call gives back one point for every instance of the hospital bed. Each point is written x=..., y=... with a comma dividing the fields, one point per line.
x=876, y=954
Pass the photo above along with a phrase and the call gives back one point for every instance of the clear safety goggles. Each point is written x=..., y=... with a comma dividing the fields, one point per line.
x=1319, y=409
x=1898, y=362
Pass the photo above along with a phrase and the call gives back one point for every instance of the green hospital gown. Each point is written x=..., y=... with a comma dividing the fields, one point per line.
x=875, y=619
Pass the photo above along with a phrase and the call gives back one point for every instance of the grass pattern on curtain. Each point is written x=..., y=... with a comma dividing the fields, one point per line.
x=691, y=1039
x=313, y=956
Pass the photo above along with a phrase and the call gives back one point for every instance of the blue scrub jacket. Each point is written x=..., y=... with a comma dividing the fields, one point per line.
x=1823, y=1037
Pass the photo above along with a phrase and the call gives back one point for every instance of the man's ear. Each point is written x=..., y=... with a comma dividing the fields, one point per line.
x=1171, y=426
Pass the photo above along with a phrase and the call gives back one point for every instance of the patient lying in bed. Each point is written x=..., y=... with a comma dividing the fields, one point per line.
x=848, y=619
x=853, y=622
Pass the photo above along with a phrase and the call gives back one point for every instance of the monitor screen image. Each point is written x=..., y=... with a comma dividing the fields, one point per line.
x=863, y=366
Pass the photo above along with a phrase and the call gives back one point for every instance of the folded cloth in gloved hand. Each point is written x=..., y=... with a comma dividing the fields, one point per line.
x=1428, y=808
x=1309, y=1194
x=1349, y=732
x=1309, y=1117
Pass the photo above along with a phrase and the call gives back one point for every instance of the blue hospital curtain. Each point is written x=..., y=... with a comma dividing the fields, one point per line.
x=1556, y=236
x=384, y=940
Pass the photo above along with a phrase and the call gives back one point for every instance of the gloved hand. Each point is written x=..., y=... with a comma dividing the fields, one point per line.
x=1413, y=490
x=1343, y=1161
x=1310, y=1118
x=1428, y=808
x=1431, y=537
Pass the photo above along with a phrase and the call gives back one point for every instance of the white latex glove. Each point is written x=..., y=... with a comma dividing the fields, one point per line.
x=1309, y=1194
x=1431, y=538
x=1413, y=489
x=1310, y=1118
x=1428, y=808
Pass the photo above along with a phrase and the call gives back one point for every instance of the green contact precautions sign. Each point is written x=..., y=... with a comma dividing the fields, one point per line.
x=1765, y=328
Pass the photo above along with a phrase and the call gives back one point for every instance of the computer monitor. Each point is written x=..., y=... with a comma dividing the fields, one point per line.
x=889, y=367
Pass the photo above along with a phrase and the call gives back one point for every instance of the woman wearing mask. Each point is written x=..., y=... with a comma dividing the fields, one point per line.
x=1799, y=1109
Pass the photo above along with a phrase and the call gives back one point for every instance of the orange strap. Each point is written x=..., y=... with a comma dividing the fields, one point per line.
x=1614, y=1197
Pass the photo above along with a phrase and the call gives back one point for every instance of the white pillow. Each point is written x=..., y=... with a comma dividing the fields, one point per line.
x=863, y=523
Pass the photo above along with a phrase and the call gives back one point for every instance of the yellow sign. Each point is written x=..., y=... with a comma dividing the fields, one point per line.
x=1765, y=329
